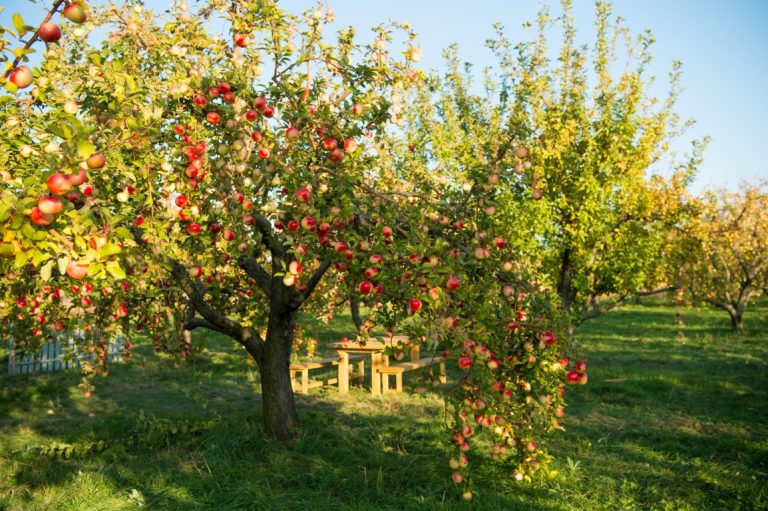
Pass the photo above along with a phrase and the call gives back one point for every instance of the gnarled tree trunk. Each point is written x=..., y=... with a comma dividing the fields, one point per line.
x=278, y=404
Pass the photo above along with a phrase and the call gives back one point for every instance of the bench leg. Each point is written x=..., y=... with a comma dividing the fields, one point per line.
x=384, y=383
x=305, y=381
x=399, y=382
x=361, y=370
x=442, y=373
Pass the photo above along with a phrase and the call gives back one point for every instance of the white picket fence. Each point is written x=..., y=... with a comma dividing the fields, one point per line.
x=50, y=358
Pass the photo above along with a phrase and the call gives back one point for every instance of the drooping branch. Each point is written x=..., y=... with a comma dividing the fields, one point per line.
x=601, y=308
x=32, y=39
x=254, y=270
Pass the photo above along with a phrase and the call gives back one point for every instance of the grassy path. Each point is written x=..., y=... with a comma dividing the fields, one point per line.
x=673, y=418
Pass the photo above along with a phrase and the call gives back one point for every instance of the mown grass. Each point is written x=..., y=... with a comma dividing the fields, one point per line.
x=673, y=418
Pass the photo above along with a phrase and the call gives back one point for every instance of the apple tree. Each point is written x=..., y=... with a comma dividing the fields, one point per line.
x=168, y=178
x=586, y=144
x=722, y=257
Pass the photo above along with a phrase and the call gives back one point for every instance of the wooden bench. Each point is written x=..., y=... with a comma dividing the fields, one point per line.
x=398, y=369
x=303, y=368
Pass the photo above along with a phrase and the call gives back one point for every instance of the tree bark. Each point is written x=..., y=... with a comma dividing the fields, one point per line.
x=737, y=324
x=565, y=280
x=278, y=405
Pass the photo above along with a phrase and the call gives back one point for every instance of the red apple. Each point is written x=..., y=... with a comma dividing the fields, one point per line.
x=268, y=111
x=308, y=223
x=21, y=77
x=293, y=225
x=386, y=231
x=39, y=218
x=260, y=103
x=302, y=194
x=294, y=268
x=181, y=201
x=242, y=40
x=193, y=229
x=572, y=377
x=366, y=287
x=78, y=178
x=330, y=144
x=96, y=161
x=350, y=145
x=453, y=283
x=292, y=133
x=50, y=205
x=77, y=270
x=263, y=152
x=75, y=13
x=200, y=100
x=59, y=184
x=548, y=337
x=336, y=156
x=581, y=366
x=357, y=109
x=414, y=305
x=49, y=32
x=213, y=117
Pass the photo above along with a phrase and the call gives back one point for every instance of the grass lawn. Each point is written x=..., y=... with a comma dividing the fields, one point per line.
x=673, y=418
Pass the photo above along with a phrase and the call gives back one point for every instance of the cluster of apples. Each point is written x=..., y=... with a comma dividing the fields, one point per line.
x=579, y=375
x=49, y=32
x=61, y=184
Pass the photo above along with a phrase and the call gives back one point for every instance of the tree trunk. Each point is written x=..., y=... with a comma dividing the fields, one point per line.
x=278, y=405
x=737, y=325
x=565, y=280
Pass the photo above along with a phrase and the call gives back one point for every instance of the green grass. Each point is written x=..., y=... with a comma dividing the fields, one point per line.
x=673, y=418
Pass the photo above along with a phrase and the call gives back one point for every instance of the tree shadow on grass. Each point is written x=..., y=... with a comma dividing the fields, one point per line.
x=353, y=452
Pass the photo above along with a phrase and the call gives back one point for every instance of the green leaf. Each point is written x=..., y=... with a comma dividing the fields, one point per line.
x=45, y=270
x=109, y=249
x=18, y=23
x=85, y=148
x=21, y=259
x=113, y=267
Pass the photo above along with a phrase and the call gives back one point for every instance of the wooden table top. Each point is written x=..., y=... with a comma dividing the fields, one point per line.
x=371, y=344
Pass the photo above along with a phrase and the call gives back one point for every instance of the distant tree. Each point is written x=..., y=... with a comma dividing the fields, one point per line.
x=596, y=142
x=722, y=259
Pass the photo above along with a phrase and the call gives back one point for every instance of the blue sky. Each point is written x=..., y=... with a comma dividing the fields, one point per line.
x=723, y=47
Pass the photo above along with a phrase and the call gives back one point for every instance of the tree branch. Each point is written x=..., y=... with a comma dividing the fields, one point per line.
x=32, y=39
x=254, y=270
x=267, y=237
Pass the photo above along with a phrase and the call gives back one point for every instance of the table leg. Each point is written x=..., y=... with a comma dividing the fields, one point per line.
x=415, y=351
x=375, y=374
x=343, y=372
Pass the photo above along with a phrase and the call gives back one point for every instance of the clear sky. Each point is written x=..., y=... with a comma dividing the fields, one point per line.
x=723, y=46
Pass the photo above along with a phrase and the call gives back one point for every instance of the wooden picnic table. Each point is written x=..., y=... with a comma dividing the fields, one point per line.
x=375, y=347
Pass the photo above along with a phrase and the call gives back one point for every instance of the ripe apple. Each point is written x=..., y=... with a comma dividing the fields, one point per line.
x=414, y=305
x=581, y=366
x=77, y=270
x=330, y=144
x=193, y=229
x=293, y=225
x=97, y=242
x=308, y=223
x=572, y=378
x=452, y=283
x=78, y=178
x=292, y=133
x=336, y=156
x=49, y=32
x=521, y=152
x=268, y=111
x=21, y=77
x=350, y=145
x=242, y=40
x=181, y=201
x=59, y=184
x=228, y=235
x=366, y=287
x=260, y=103
x=302, y=194
x=289, y=280
x=357, y=109
x=75, y=13
x=213, y=118
x=96, y=161
x=386, y=231
x=50, y=205
x=39, y=218
x=295, y=268
x=263, y=152
x=548, y=337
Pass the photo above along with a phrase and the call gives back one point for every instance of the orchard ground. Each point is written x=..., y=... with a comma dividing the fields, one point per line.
x=673, y=418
